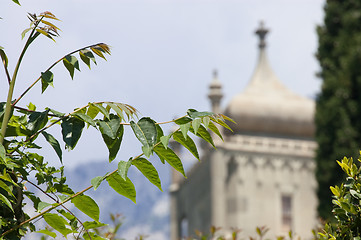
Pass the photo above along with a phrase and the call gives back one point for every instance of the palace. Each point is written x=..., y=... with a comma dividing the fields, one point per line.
x=263, y=172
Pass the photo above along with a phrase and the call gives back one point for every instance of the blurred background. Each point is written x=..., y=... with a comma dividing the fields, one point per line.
x=163, y=56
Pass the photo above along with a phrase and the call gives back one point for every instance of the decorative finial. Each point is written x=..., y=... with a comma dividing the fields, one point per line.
x=261, y=32
x=215, y=93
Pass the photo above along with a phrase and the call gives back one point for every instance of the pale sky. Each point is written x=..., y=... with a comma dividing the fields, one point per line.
x=163, y=55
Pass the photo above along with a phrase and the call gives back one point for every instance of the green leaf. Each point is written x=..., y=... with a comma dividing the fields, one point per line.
x=93, y=236
x=335, y=191
x=42, y=205
x=95, y=182
x=222, y=123
x=46, y=80
x=2, y=110
x=104, y=47
x=165, y=140
x=92, y=111
x=4, y=58
x=147, y=150
x=227, y=118
x=112, y=132
x=117, y=109
x=214, y=129
x=98, y=51
x=31, y=106
x=101, y=109
x=123, y=168
x=148, y=170
x=54, y=143
x=90, y=225
x=187, y=143
x=37, y=120
x=86, y=54
x=56, y=113
x=183, y=120
x=71, y=129
x=86, y=118
x=49, y=24
x=87, y=205
x=121, y=186
x=185, y=128
x=206, y=121
x=204, y=134
x=6, y=201
x=5, y=176
x=47, y=232
x=195, y=114
x=6, y=188
x=355, y=194
x=71, y=63
x=129, y=110
x=170, y=157
x=45, y=33
x=66, y=214
x=2, y=152
x=15, y=130
x=195, y=124
x=110, y=127
x=159, y=132
x=17, y=2
x=84, y=58
x=63, y=197
x=57, y=222
x=146, y=131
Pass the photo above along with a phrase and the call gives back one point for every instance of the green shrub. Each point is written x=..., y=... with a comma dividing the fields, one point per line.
x=347, y=205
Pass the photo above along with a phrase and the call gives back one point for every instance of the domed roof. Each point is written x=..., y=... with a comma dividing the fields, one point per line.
x=266, y=106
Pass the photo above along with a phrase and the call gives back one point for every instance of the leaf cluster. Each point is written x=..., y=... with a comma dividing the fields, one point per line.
x=346, y=204
x=21, y=165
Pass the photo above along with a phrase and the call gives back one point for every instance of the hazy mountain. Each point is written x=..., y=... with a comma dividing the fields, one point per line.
x=150, y=216
x=151, y=213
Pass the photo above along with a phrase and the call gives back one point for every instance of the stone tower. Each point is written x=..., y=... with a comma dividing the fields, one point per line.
x=263, y=172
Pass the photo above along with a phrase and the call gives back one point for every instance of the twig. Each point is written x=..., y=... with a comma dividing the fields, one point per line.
x=37, y=80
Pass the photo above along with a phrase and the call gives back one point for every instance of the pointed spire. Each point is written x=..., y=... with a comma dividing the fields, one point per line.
x=215, y=93
x=262, y=32
x=263, y=76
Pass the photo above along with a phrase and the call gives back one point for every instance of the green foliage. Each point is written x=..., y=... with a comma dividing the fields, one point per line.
x=20, y=165
x=346, y=205
x=338, y=126
x=215, y=233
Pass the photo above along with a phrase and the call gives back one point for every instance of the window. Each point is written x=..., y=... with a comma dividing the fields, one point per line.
x=286, y=213
x=184, y=228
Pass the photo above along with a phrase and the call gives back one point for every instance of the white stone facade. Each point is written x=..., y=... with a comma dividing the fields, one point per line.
x=259, y=176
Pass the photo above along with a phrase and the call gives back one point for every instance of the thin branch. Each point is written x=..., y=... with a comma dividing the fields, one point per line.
x=57, y=201
x=61, y=203
x=30, y=111
x=37, y=80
